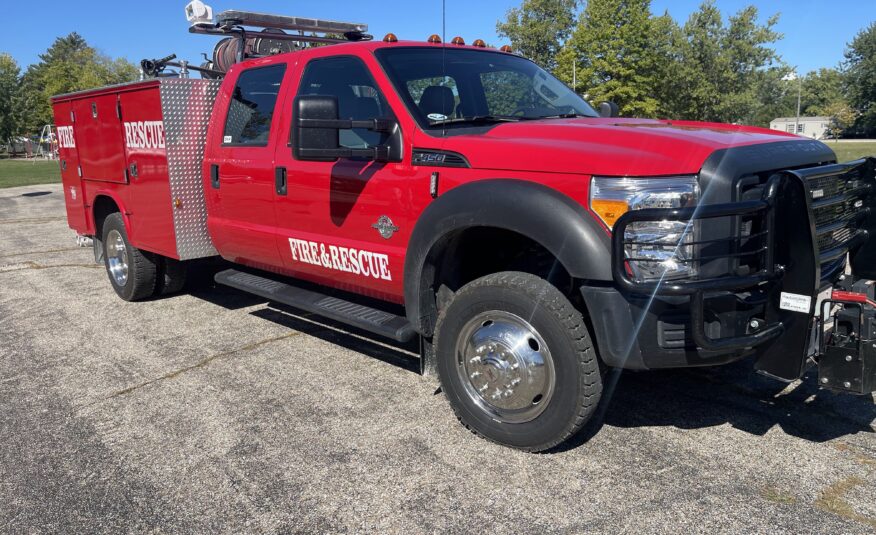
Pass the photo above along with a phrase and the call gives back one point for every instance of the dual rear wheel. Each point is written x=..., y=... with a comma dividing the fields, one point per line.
x=136, y=274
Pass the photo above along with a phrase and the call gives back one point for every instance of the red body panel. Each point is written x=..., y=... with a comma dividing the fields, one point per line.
x=105, y=149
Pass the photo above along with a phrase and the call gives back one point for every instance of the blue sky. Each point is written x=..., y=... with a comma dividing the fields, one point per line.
x=816, y=31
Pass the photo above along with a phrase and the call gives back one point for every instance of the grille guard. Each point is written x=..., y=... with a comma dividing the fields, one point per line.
x=790, y=258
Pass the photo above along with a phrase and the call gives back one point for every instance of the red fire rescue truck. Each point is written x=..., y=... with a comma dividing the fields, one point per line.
x=464, y=196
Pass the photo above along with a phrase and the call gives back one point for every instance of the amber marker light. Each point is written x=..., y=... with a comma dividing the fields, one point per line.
x=458, y=41
x=434, y=38
x=479, y=43
x=390, y=38
x=507, y=48
x=609, y=210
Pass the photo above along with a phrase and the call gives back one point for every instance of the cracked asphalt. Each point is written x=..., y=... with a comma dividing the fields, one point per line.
x=216, y=412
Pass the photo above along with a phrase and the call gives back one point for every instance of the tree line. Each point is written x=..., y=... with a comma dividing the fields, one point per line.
x=69, y=64
x=712, y=67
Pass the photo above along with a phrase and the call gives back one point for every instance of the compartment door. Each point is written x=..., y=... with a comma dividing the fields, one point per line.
x=100, y=138
x=74, y=196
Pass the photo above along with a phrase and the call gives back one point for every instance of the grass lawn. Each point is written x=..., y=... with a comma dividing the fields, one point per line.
x=851, y=150
x=25, y=173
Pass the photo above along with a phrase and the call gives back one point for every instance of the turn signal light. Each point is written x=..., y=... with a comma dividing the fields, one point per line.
x=390, y=38
x=458, y=40
x=507, y=48
x=609, y=210
x=434, y=38
x=479, y=43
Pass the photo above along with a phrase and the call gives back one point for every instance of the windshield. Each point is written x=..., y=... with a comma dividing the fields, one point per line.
x=444, y=87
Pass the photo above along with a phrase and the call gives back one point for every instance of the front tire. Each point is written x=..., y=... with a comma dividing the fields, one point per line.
x=132, y=272
x=516, y=361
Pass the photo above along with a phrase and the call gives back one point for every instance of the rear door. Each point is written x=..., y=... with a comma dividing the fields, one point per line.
x=240, y=172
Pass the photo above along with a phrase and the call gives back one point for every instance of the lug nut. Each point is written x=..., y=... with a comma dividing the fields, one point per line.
x=474, y=360
x=515, y=382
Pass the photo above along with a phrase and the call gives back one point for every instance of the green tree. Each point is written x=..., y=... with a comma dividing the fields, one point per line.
x=538, y=28
x=613, y=50
x=728, y=73
x=10, y=117
x=860, y=79
x=70, y=64
x=841, y=116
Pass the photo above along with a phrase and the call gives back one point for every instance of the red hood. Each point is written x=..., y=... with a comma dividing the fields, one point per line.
x=605, y=146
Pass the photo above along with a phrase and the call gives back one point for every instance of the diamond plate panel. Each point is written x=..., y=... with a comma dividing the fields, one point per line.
x=186, y=105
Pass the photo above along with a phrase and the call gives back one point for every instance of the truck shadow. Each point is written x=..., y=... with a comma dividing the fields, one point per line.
x=732, y=394
x=693, y=398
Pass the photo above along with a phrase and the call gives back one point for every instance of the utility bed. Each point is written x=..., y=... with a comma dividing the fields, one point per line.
x=151, y=133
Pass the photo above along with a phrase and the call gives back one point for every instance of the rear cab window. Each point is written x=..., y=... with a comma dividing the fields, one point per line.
x=248, y=122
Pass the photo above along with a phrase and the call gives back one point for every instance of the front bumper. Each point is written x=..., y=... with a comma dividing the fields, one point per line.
x=791, y=241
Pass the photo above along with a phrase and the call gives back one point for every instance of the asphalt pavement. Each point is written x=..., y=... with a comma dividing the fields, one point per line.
x=216, y=412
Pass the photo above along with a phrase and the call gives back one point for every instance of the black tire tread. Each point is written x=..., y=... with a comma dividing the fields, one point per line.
x=590, y=381
x=142, y=267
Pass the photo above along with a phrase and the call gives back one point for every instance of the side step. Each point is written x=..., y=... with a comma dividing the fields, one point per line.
x=366, y=318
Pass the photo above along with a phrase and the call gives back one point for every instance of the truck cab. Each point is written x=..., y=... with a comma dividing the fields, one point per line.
x=464, y=196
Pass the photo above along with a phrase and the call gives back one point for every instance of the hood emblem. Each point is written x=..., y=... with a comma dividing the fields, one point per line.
x=385, y=227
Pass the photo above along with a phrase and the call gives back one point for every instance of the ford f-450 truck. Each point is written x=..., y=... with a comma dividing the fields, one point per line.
x=463, y=196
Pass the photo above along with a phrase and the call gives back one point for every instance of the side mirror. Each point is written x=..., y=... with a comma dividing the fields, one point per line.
x=608, y=109
x=316, y=131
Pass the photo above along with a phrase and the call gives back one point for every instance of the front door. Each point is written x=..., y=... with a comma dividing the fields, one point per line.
x=342, y=223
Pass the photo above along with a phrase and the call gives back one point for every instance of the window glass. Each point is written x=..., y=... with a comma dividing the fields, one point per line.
x=252, y=106
x=348, y=79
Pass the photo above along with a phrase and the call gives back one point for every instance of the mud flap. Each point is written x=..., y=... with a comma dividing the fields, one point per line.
x=791, y=301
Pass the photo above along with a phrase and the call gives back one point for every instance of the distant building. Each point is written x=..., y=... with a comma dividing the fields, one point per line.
x=813, y=127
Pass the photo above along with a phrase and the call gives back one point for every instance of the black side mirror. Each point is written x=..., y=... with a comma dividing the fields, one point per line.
x=608, y=109
x=316, y=137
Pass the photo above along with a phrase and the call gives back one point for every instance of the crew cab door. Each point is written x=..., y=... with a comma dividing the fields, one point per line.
x=344, y=223
x=239, y=170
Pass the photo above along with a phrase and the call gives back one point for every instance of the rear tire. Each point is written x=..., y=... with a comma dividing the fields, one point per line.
x=131, y=272
x=516, y=361
x=172, y=275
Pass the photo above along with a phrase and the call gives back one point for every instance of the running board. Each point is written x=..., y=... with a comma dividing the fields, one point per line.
x=366, y=318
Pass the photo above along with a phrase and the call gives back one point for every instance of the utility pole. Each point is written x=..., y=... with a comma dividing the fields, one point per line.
x=799, y=90
x=575, y=76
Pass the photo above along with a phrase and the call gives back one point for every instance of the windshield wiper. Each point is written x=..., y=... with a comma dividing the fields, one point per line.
x=480, y=119
x=564, y=116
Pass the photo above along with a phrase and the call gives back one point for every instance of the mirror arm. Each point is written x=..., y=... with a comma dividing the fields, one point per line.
x=376, y=125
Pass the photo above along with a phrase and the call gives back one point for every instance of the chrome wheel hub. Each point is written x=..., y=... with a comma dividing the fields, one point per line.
x=117, y=257
x=505, y=366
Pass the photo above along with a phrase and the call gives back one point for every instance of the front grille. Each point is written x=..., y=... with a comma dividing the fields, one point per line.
x=838, y=213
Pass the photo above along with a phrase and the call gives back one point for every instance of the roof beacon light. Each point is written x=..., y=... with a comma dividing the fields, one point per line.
x=199, y=14
x=458, y=41
x=507, y=48
x=479, y=43
x=390, y=38
x=434, y=38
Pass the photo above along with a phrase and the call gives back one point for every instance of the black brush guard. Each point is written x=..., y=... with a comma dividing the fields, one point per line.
x=805, y=220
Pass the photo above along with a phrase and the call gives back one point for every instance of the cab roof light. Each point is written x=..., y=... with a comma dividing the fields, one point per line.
x=458, y=41
x=479, y=43
x=390, y=38
x=434, y=38
x=507, y=48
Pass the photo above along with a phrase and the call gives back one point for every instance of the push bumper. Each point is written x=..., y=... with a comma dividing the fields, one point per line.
x=789, y=250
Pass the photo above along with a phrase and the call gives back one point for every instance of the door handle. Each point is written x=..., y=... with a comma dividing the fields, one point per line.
x=214, y=176
x=280, y=180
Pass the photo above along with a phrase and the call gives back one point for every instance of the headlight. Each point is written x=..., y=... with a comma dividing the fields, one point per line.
x=660, y=249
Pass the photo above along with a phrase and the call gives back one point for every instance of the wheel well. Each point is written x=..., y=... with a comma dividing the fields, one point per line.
x=474, y=252
x=103, y=206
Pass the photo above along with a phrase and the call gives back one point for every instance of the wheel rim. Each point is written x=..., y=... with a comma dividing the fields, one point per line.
x=117, y=257
x=505, y=366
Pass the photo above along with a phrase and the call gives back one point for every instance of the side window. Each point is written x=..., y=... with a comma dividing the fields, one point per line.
x=252, y=106
x=359, y=98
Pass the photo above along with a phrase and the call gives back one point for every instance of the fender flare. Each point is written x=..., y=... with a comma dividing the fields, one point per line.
x=562, y=226
x=111, y=195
